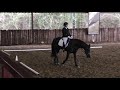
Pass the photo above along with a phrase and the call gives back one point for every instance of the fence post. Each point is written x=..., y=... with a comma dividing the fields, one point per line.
x=32, y=26
x=6, y=73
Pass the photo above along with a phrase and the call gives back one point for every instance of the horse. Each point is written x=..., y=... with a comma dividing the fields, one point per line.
x=73, y=46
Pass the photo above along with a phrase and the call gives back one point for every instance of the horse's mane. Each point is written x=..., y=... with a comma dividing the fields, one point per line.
x=79, y=40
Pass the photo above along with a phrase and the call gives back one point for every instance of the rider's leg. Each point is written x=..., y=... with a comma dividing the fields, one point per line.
x=64, y=42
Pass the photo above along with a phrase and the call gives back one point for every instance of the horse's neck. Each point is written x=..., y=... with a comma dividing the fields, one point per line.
x=82, y=45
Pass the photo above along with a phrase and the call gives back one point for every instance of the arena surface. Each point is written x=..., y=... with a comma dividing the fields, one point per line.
x=104, y=62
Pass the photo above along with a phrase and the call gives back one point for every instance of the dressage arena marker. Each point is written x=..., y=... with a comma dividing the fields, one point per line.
x=29, y=68
x=5, y=52
x=27, y=50
x=38, y=49
x=16, y=58
x=96, y=47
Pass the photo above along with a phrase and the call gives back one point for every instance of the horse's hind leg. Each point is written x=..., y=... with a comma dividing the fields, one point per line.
x=66, y=58
x=75, y=59
x=56, y=60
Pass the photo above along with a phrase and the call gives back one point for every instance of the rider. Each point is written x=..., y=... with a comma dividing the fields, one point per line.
x=65, y=34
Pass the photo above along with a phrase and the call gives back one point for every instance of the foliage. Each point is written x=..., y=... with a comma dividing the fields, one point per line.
x=110, y=20
x=15, y=21
x=54, y=20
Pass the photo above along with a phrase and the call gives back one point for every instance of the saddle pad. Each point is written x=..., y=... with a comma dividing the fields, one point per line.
x=60, y=43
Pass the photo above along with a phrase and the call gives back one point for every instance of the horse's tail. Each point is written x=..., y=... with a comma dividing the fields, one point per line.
x=53, y=53
x=55, y=47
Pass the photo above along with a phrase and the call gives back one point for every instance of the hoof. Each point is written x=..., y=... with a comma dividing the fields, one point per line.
x=77, y=66
x=56, y=63
x=62, y=63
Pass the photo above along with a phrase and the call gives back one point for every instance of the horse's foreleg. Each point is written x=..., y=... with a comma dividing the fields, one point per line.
x=75, y=59
x=66, y=58
x=56, y=60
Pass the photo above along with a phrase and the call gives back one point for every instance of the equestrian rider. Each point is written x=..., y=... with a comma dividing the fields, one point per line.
x=65, y=34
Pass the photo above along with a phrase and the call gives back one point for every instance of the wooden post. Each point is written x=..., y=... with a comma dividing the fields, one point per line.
x=74, y=22
x=32, y=20
x=32, y=27
x=6, y=73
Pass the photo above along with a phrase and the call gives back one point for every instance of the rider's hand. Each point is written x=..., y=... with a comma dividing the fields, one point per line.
x=71, y=37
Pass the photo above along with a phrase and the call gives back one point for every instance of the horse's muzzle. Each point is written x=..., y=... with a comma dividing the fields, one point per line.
x=88, y=56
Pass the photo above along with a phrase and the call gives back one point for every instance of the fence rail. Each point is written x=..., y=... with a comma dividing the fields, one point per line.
x=26, y=37
x=12, y=69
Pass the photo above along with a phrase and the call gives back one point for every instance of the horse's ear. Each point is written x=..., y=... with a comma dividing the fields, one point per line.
x=89, y=45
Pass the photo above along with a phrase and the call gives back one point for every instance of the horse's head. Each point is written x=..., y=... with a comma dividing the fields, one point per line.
x=87, y=51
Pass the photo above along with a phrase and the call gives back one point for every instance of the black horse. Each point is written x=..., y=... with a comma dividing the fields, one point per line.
x=73, y=46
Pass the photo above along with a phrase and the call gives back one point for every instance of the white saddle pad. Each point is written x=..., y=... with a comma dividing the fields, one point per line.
x=60, y=43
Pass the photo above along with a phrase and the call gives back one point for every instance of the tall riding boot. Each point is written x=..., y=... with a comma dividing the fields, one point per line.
x=63, y=47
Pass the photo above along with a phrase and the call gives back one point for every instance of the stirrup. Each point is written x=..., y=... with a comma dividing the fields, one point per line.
x=63, y=50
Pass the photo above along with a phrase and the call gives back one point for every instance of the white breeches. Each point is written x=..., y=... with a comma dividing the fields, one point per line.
x=65, y=40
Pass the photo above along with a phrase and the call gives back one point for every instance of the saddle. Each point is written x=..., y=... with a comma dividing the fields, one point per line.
x=60, y=43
